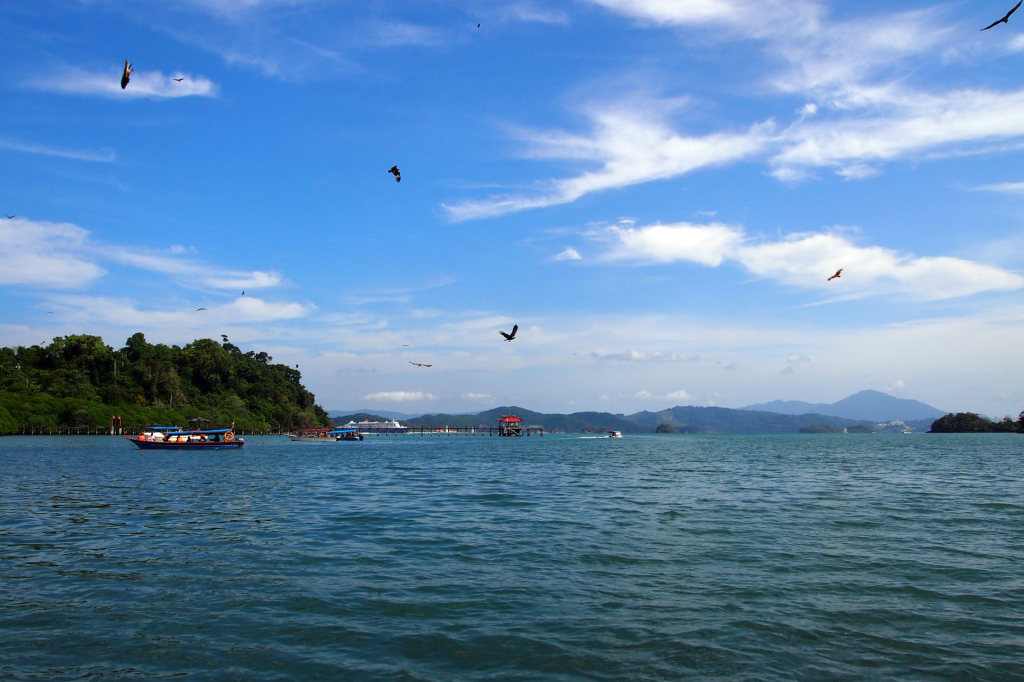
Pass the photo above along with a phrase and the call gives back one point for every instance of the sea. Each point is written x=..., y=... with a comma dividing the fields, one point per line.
x=556, y=557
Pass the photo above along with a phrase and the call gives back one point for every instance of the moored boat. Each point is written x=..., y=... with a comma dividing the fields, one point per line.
x=324, y=435
x=177, y=438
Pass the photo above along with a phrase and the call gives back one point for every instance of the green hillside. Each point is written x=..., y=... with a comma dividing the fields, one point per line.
x=78, y=381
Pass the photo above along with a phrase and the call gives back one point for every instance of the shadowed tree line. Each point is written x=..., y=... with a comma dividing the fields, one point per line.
x=969, y=422
x=78, y=381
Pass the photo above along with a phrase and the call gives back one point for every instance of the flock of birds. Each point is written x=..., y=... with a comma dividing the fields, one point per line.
x=126, y=75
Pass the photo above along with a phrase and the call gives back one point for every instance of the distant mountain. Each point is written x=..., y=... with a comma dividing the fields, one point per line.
x=578, y=422
x=724, y=420
x=382, y=413
x=873, y=406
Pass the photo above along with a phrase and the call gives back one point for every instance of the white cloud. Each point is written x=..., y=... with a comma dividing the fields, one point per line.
x=477, y=396
x=45, y=254
x=569, y=254
x=628, y=147
x=399, y=396
x=678, y=396
x=805, y=260
x=1007, y=187
x=529, y=12
x=104, y=156
x=645, y=356
x=193, y=271
x=143, y=83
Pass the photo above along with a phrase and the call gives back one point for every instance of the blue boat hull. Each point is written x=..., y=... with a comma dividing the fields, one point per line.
x=161, y=445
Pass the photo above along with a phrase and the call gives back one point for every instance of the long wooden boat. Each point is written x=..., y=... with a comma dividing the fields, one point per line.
x=324, y=435
x=177, y=438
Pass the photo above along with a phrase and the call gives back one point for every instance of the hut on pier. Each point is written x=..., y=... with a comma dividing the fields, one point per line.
x=510, y=425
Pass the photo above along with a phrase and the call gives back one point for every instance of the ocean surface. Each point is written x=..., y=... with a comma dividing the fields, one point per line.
x=671, y=557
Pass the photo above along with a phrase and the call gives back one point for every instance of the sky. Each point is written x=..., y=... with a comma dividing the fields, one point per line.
x=655, y=191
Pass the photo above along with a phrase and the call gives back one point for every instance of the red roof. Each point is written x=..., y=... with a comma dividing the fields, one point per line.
x=509, y=418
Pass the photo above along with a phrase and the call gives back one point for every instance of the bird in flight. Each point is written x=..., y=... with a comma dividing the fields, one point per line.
x=243, y=292
x=200, y=309
x=840, y=270
x=126, y=76
x=11, y=217
x=509, y=337
x=419, y=364
x=1005, y=19
x=398, y=174
x=179, y=79
x=406, y=345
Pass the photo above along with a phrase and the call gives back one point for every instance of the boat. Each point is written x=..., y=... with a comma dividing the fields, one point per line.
x=177, y=438
x=324, y=435
x=367, y=426
x=615, y=434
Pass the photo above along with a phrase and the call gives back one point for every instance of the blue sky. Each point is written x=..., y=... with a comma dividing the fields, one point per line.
x=654, y=190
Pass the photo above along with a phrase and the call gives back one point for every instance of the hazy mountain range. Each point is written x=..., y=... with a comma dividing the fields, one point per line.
x=867, y=405
x=858, y=410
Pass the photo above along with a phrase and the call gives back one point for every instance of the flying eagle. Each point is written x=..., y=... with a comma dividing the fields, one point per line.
x=840, y=270
x=398, y=174
x=198, y=309
x=515, y=327
x=419, y=364
x=126, y=76
x=178, y=79
x=1005, y=19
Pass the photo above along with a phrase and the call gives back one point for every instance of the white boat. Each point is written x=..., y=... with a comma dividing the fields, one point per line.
x=367, y=426
x=615, y=434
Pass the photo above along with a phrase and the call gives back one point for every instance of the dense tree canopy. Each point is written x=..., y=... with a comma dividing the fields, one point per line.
x=969, y=422
x=80, y=381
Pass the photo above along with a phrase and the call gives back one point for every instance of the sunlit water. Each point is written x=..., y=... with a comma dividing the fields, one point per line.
x=543, y=558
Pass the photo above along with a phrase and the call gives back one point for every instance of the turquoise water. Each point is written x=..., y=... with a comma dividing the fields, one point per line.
x=842, y=557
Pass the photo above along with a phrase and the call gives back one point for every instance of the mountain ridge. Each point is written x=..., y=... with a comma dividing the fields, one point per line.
x=867, y=405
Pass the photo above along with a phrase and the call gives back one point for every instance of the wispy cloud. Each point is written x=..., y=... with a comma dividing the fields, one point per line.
x=1006, y=187
x=804, y=260
x=104, y=156
x=568, y=254
x=645, y=356
x=77, y=81
x=193, y=270
x=399, y=396
x=629, y=147
x=45, y=254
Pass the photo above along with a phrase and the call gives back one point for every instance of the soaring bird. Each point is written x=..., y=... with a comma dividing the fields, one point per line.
x=398, y=174
x=11, y=217
x=515, y=328
x=126, y=76
x=197, y=309
x=178, y=79
x=1005, y=19
x=840, y=270
x=243, y=292
x=419, y=364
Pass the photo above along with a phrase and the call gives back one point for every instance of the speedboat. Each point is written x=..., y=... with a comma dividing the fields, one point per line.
x=177, y=438
x=615, y=434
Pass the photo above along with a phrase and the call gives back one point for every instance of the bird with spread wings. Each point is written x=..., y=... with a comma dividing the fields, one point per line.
x=1005, y=19
x=420, y=364
x=509, y=336
x=840, y=270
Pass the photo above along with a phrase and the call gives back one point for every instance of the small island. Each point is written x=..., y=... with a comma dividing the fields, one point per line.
x=969, y=422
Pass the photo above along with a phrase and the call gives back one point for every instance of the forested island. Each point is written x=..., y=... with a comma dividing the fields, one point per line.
x=969, y=422
x=79, y=381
